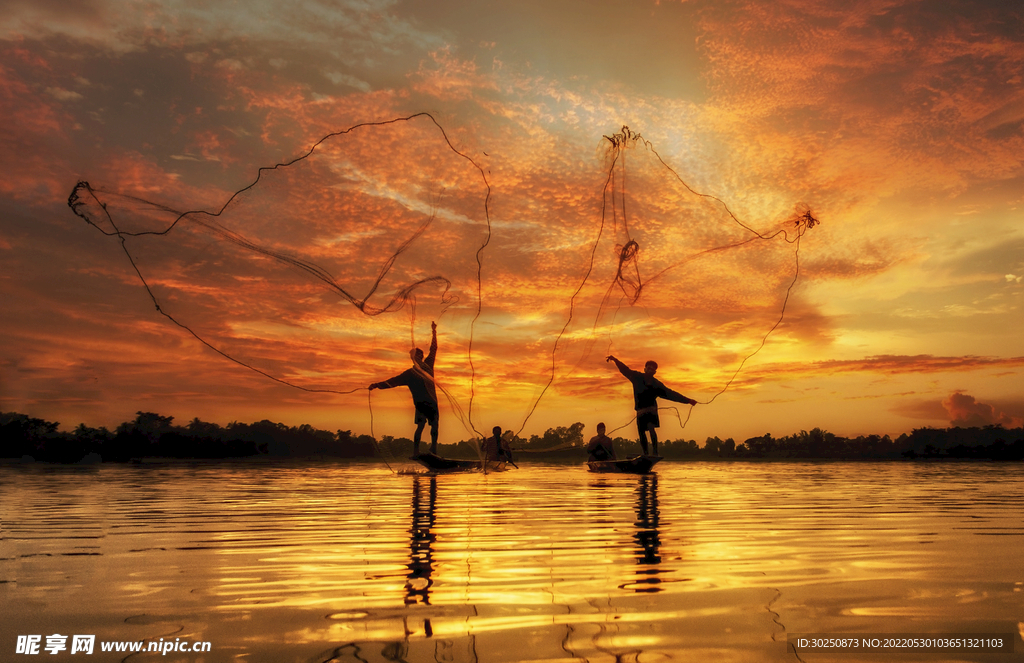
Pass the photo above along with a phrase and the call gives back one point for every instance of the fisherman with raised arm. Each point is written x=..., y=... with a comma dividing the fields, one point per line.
x=646, y=392
x=420, y=381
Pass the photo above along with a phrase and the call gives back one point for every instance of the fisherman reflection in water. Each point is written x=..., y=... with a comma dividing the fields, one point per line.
x=647, y=538
x=646, y=392
x=420, y=380
x=421, y=542
x=600, y=446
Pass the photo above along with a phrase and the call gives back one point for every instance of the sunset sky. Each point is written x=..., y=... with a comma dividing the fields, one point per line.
x=899, y=125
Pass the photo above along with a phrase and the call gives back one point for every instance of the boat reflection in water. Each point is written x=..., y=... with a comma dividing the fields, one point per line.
x=418, y=641
x=606, y=627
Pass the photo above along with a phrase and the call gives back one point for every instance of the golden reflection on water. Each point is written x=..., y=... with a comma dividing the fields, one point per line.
x=351, y=563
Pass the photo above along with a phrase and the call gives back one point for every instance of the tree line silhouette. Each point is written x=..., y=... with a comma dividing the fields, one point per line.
x=152, y=435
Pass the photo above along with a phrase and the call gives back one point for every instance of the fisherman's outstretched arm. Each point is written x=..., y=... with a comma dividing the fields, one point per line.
x=400, y=380
x=625, y=370
x=671, y=395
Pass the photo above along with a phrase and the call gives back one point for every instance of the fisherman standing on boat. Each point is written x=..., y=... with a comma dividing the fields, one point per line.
x=600, y=446
x=420, y=380
x=646, y=392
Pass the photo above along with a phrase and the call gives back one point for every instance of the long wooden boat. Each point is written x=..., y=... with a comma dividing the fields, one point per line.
x=635, y=465
x=437, y=463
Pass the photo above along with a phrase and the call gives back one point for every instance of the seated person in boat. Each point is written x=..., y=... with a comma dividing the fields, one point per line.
x=600, y=446
x=497, y=449
x=646, y=392
x=420, y=381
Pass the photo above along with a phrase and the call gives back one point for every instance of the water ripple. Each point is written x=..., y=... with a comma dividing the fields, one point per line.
x=349, y=562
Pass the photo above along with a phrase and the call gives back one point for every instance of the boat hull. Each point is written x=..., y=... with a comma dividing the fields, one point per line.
x=437, y=463
x=635, y=465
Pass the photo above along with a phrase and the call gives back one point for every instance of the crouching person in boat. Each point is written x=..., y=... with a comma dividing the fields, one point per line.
x=646, y=392
x=420, y=381
x=496, y=449
x=600, y=446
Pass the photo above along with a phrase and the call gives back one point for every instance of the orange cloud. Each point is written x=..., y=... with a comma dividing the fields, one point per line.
x=283, y=278
x=860, y=102
x=964, y=410
x=32, y=123
x=887, y=364
x=447, y=76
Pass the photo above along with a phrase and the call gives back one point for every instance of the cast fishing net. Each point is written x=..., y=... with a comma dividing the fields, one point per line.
x=322, y=273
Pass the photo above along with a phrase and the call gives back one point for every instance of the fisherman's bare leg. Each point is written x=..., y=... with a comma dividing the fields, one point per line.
x=643, y=435
x=654, y=439
x=417, y=437
x=433, y=437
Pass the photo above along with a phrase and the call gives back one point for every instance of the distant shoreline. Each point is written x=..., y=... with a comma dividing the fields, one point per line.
x=152, y=436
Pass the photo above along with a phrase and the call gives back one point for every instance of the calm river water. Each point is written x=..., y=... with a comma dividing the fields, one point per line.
x=699, y=562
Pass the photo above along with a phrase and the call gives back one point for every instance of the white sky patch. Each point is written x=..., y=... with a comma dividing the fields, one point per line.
x=339, y=78
x=231, y=63
x=262, y=330
x=186, y=286
x=568, y=244
x=968, y=211
x=358, y=180
x=192, y=157
x=1013, y=278
x=347, y=238
x=962, y=311
x=362, y=29
x=60, y=94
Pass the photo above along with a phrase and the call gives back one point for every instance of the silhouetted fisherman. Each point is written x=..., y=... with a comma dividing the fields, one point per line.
x=646, y=392
x=420, y=380
x=600, y=446
x=497, y=449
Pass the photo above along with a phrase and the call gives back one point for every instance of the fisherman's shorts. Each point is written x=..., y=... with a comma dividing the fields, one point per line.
x=647, y=418
x=426, y=413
